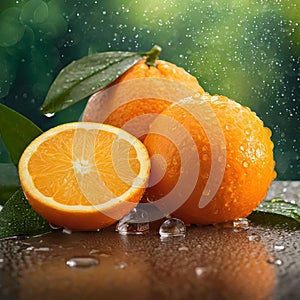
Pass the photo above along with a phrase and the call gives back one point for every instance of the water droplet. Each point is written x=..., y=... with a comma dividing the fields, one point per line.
x=183, y=248
x=49, y=115
x=172, y=227
x=254, y=237
x=205, y=157
x=82, y=262
x=241, y=224
x=245, y=164
x=274, y=261
x=104, y=255
x=67, y=231
x=94, y=251
x=1, y=260
x=55, y=227
x=279, y=247
x=42, y=249
x=136, y=222
x=242, y=148
x=121, y=265
x=247, y=132
x=199, y=271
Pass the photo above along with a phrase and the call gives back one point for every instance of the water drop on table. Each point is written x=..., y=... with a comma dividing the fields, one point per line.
x=274, y=261
x=136, y=222
x=183, y=248
x=121, y=265
x=172, y=228
x=82, y=262
x=199, y=271
x=93, y=251
x=279, y=247
x=254, y=237
x=241, y=224
x=104, y=255
x=67, y=231
x=42, y=249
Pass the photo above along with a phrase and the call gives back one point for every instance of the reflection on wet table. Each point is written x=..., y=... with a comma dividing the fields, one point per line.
x=238, y=261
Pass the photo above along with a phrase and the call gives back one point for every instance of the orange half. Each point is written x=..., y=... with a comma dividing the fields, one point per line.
x=84, y=176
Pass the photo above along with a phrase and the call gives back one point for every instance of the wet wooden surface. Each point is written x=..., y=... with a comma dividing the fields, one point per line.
x=261, y=262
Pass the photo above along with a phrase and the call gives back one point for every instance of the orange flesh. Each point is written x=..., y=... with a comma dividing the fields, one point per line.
x=69, y=175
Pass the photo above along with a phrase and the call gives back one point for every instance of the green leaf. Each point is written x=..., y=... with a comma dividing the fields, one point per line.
x=16, y=132
x=9, y=181
x=86, y=76
x=17, y=217
x=277, y=213
x=280, y=207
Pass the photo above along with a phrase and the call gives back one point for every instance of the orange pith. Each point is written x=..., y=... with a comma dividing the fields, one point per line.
x=248, y=154
x=162, y=84
x=84, y=175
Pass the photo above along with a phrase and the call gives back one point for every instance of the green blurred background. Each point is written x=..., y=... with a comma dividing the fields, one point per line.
x=244, y=49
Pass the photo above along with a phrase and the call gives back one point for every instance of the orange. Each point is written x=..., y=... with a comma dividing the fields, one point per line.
x=84, y=176
x=211, y=160
x=136, y=97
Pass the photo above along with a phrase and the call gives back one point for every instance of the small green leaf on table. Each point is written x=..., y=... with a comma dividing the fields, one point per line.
x=86, y=76
x=280, y=207
x=16, y=132
x=277, y=212
x=18, y=218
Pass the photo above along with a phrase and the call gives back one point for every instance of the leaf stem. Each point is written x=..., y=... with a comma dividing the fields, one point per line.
x=152, y=55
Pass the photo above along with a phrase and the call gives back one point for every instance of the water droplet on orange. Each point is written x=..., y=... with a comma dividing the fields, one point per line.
x=205, y=157
x=245, y=164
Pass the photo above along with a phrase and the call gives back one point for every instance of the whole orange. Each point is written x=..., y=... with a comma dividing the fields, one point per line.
x=211, y=160
x=133, y=100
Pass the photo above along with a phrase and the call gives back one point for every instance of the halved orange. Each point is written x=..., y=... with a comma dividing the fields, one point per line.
x=84, y=176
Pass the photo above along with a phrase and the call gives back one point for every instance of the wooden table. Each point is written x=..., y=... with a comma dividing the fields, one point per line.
x=262, y=262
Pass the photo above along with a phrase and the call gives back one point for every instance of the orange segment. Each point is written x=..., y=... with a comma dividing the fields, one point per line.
x=83, y=171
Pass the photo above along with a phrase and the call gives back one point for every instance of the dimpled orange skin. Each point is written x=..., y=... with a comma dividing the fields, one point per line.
x=249, y=167
x=184, y=85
